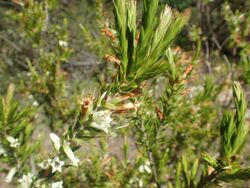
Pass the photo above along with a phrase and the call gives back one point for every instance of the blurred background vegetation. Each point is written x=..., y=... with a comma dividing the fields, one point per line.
x=53, y=51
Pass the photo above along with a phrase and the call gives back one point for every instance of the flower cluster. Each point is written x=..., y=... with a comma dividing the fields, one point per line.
x=14, y=143
x=56, y=164
x=26, y=180
x=29, y=180
x=145, y=168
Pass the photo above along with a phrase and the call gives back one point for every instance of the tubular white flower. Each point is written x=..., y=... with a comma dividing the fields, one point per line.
x=140, y=183
x=70, y=154
x=56, y=141
x=26, y=180
x=56, y=165
x=101, y=120
x=58, y=184
x=63, y=43
x=13, y=141
x=10, y=175
x=35, y=103
x=145, y=168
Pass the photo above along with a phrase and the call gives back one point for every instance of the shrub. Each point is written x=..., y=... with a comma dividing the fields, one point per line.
x=148, y=123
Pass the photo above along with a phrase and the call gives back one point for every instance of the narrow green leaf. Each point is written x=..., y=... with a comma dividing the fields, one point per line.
x=211, y=161
x=121, y=25
x=178, y=175
x=241, y=174
x=194, y=169
x=241, y=127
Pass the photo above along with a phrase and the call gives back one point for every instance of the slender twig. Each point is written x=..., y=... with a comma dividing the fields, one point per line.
x=10, y=43
x=208, y=64
x=150, y=157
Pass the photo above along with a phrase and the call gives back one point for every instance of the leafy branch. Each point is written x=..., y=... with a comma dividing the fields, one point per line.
x=142, y=52
x=233, y=131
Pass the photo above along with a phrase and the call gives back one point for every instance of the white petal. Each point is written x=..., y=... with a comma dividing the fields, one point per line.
x=147, y=169
x=141, y=169
x=102, y=127
x=13, y=141
x=58, y=184
x=63, y=43
x=10, y=139
x=70, y=154
x=56, y=141
x=26, y=180
x=140, y=183
x=10, y=175
x=97, y=126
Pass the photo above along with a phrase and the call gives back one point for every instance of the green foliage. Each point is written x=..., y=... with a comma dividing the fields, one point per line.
x=144, y=59
x=190, y=172
x=49, y=50
x=16, y=131
x=234, y=131
x=94, y=38
x=210, y=161
x=241, y=174
x=238, y=24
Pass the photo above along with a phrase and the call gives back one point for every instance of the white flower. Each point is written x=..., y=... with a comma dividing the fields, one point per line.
x=35, y=103
x=58, y=184
x=63, y=43
x=70, y=154
x=140, y=183
x=56, y=141
x=45, y=164
x=2, y=151
x=101, y=120
x=136, y=182
x=26, y=180
x=145, y=168
x=10, y=175
x=13, y=141
x=56, y=165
